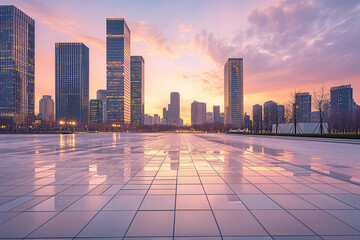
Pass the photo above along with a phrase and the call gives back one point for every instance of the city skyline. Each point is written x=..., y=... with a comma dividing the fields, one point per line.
x=203, y=51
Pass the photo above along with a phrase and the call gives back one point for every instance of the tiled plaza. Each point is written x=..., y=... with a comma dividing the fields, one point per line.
x=178, y=186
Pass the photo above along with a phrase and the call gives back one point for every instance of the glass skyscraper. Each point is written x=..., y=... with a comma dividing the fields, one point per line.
x=101, y=95
x=118, y=71
x=72, y=82
x=234, y=92
x=17, y=67
x=198, y=113
x=216, y=114
x=174, y=109
x=96, y=111
x=137, y=90
x=303, y=107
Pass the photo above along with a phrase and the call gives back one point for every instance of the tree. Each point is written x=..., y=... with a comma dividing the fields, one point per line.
x=321, y=104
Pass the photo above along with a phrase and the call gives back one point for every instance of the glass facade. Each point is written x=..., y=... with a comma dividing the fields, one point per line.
x=198, y=113
x=137, y=90
x=46, y=109
x=234, y=92
x=257, y=118
x=72, y=82
x=174, y=109
x=118, y=71
x=216, y=114
x=101, y=95
x=96, y=111
x=17, y=67
x=303, y=107
x=270, y=115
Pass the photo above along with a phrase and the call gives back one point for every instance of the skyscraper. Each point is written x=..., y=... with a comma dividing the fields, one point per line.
x=96, y=111
x=216, y=114
x=198, y=113
x=303, y=107
x=270, y=115
x=137, y=90
x=341, y=107
x=165, y=116
x=118, y=71
x=233, y=92
x=46, y=109
x=101, y=95
x=257, y=118
x=174, y=109
x=72, y=82
x=17, y=67
x=281, y=114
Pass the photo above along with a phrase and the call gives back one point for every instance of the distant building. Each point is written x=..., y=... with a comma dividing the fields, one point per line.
x=233, y=92
x=46, y=109
x=270, y=115
x=222, y=118
x=257, y=118
x=137, y=90
x=303, y=107
x=96, y=111
x=198, y=113
x=165, y=116
x=174, y=109
x=17, y=67
x=210, y=117
x=157, y=119
x=247, y=122
x=216, y=113
x=148, y=120
x=281, y=114
x=101, y=95
x=118, y=71
x=72, y=82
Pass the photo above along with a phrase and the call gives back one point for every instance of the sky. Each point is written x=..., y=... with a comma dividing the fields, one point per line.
x=286, y=45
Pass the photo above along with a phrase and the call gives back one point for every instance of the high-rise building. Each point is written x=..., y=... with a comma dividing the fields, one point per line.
x=46, y=109
x=270, y=115
x=72, y=82
x=257, y=118
x=118, y=88
x=101, y=95
x=96, y=111
x=17, y=67
x=341, y=106
x=209, y=117
x=137, y=90
x=157, y=119
x=247, y=122
x=216, y=114
x=165, y=116
x=233, y=92
x=198, y=113
x=303, y=107
x=148, y=120
x=174, y=108
x=281, y=114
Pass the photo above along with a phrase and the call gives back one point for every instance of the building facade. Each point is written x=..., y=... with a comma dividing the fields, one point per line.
x=270, y=115
x=257, y=118
x=281, y=114
x=137, y=90
x=96, y=111
x=174, y=109
x=17, y=67
x=342, y=107
x=72, y=82
x=101, y=95
x=303, y=107
x=46, y=109
x=233, y=92
x=216, y=114
x=198, y=113
x=118, y=81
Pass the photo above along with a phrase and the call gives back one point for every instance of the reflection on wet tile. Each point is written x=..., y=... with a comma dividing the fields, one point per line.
x=89, y=203
x=225, y=202
x=258, y=202
x=158, y=202
x=187, y=202
x=124, y=202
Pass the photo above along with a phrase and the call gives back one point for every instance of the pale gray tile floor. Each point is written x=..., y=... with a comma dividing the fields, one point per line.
x=178, y=186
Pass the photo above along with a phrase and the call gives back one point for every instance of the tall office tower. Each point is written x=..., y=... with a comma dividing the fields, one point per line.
x=233, y=92
x=165, y=116
x=281, y=114
x=46, y=109
x=341, y=106
x=247, y=122
x=72, y=82
x=270, y=115
x=101, y=95
x=174, y=108
x=198, y=113
x=257, y=118
x=96, y=111
x=216, y=113
x=17, y=67
x=137, y=90
x=118, y=88
x=148, y=119
x=303, y=107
